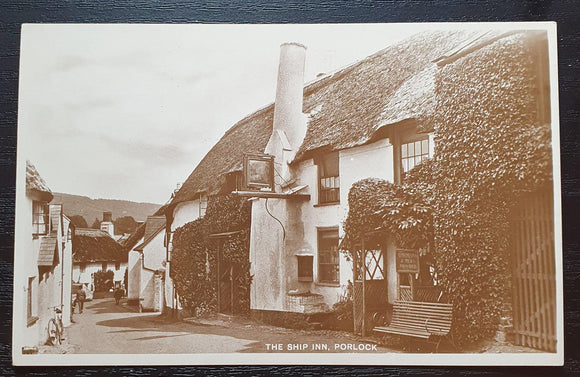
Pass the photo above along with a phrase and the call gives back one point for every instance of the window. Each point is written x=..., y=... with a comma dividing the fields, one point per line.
x=329, y=180
x=104, y=266
x=413, y=153
x=30, y=302
x=202, y=204
x=169, y=246
x=305, y=272
x=39, y=218
x=234, y=182
x=328, y=267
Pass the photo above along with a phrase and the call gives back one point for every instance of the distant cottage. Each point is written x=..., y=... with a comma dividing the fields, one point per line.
x=96, y=250
x=146, y=268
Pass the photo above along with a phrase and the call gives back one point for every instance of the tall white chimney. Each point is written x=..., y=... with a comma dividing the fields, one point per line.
x=107, y=224
x=289, y=127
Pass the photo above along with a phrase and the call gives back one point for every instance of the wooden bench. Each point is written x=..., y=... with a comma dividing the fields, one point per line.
x=430, y=321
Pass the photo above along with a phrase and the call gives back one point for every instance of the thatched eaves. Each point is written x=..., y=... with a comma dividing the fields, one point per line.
x=345, y=108
x=35, y=185
x=95, y=245
x=250, y=135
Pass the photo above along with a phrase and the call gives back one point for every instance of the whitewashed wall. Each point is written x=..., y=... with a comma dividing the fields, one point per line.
x=153, y=260
x=273, y=262
x=86, y=277
x=134, y=275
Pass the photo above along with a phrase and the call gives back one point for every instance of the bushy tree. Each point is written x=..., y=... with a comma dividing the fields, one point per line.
x=125, y=224
x=96, y=224
x=104, y=280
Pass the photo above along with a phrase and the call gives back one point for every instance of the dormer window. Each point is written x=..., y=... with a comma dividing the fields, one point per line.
x=328, y=179
x=39, y=218
x=202, y=204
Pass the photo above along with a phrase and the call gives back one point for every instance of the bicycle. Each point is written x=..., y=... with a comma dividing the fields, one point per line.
x=55, y=327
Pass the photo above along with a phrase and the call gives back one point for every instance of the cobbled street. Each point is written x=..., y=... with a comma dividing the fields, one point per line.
x=105, y=327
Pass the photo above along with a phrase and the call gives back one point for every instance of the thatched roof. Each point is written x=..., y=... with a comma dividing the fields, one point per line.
x=95, y=245
x=35, y=184
x=345, y=108
x=250, y=135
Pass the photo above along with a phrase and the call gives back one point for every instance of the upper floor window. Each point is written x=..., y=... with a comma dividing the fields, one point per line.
x=328, y=262
x=202, y=204
x=328, y=179
x=39, y=218
x=413, y=153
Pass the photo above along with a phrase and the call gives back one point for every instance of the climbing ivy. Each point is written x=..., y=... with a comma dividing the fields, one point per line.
x=194, y=256
x=191, y=271
x=491, y=146
x=376, y=204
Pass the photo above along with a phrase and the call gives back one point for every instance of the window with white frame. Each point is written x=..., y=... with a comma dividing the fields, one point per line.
x=39, y=218
x=328, y=258
x=328, y=179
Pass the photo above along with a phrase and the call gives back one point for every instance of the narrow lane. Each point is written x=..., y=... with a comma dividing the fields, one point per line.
x=105, y=327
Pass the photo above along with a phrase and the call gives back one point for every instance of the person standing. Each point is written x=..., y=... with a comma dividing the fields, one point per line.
x=118, y=295
x=81, y=297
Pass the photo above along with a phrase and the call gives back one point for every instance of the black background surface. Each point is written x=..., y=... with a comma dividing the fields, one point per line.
x=15, y=12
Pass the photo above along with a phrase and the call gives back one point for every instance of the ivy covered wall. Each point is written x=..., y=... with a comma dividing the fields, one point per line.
x=491, y=144
x=195, y=254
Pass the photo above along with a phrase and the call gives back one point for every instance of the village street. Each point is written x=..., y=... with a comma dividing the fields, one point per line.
x=104, y=327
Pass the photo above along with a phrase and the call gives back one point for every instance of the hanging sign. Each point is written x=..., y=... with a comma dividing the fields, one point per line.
x=259, y=172
x=408, y=261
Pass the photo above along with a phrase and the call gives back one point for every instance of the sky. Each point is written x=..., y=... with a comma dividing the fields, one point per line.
x=128, y=111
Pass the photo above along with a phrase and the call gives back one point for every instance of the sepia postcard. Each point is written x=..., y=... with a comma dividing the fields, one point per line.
x=367, y=194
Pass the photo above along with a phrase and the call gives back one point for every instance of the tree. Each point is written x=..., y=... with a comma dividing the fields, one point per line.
x=104, y=280
x=125, y=224
x=96, y=224
x=79, y=221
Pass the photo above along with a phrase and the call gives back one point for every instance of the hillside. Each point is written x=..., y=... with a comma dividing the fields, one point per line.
x=92, y=209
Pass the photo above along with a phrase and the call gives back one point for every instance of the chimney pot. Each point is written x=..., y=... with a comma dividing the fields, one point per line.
x=108, y=217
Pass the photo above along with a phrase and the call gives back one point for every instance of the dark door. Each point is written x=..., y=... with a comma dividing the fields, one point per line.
x=228, y=281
